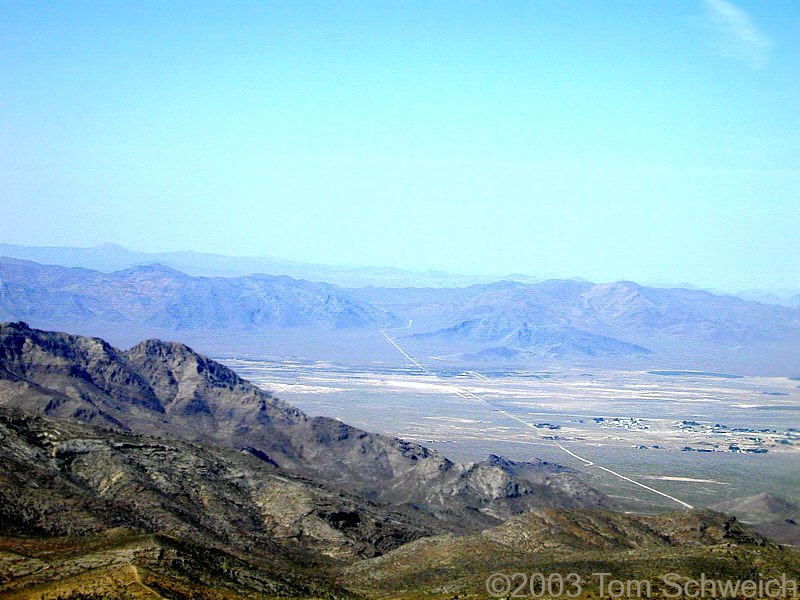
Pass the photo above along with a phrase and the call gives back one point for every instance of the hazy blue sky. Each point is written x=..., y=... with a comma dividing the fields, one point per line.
x=639, y=140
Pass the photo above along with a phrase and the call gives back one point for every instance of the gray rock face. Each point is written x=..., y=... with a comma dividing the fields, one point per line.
x=166, y=389
x=63, y=478
x=158, y=296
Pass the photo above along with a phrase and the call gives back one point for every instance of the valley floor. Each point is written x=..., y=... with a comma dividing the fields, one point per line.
x=700, y=437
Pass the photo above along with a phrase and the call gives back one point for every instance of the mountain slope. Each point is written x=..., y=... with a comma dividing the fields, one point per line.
x=603, y=309
x=119, y=564
x=166, y=389
x=65, y=478
x=87, y=512
x=94, y=510
x=771, y=516
x=516, y=334
x=559, y=319
x=575, y=541
x=139, y=508
x=158, y=296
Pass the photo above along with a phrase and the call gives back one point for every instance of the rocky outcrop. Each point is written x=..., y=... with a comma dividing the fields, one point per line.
x=69, y=479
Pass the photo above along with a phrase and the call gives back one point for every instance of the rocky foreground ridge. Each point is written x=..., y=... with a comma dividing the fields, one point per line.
x=164, y=388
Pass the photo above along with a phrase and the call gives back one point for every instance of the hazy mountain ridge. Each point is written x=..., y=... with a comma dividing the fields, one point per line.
x=158, y=296
x=112, y=257
x=498, y=322
x=611, y=307
x=166, y=389
x=782, y=297
x=566, y=318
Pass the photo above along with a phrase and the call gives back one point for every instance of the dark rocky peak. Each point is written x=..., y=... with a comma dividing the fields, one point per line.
x=523, y=467
x=169, y=363
x=91, y=365
x=772, y=502
x=21, y=342
x=159, y=349
x=499, y=461
x=17, y=327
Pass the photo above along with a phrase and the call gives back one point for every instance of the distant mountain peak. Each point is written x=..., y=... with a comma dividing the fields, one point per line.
x=153, y=267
